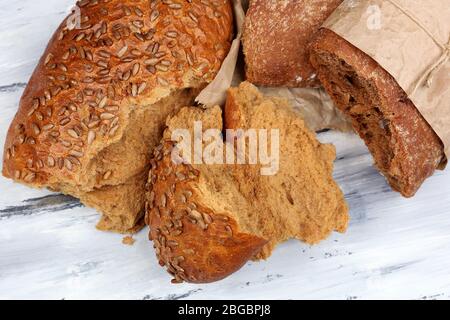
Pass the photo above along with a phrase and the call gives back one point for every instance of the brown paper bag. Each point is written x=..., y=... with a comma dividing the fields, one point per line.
x=410, y=39
x=314, y=105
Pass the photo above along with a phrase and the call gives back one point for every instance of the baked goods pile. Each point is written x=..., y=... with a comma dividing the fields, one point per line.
x=101, y=116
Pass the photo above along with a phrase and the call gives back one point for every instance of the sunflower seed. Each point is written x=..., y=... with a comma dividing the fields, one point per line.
x=172, y=34
x=177, y=233
x=73, y=133
x=172, y=243
x=134, y=90
x=193, y=17
x=76, y=153
x=122, y=51
x=80, y=36
x=154, y=15
x=21, y=138
x=51, y=161
x=162, y=81
x=152, y=61
x=142, y=87
x=68, y=164
x=138, y=12
x=163, y=201
x=48, y=127
x=106, y=116
x=48, y=58
x=62, y=67
x=64, y=121
x=36, y=129
x=151, y=69
x=91, y=137
x=103, y=102
x=107, y=175
x=40, y=164
x=162, y=68
x=207, y=218
x=152, y=197
x=138, y=24
x=136, y=68
x=113, y=130
x=34, y=107
x=88, y=79
x=196, y=215
x=175, y=6
x=229, y=230
x=104, y=54
x=30, y=177
x=126, y=76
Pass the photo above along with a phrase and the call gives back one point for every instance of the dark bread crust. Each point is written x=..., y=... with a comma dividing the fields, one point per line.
x=275, y=38
x=194, y=242
x=405, y=148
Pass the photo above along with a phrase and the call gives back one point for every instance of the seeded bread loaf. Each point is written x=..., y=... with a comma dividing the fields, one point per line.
x=275, y=38
x=96, y=104
x=405, y=148
x=207, y=221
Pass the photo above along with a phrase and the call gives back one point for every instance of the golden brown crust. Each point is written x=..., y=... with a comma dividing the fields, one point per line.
x=195, y=243
x=405, y=147
x=125, y=56
x=275, y=38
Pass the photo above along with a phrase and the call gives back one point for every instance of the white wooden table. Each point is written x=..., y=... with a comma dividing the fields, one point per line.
x=49, y=247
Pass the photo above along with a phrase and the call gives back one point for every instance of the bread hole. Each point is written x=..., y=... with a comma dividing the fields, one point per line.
x=289, y=197
x=378, y=111
x=349, y=79
x=288, y=193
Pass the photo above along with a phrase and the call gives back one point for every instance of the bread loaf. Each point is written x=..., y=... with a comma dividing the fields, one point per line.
x=275, y=38
x=95, y=106
x=207, y=221
x=405, y=148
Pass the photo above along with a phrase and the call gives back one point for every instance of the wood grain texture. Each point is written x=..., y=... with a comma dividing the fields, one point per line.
x=49, y=248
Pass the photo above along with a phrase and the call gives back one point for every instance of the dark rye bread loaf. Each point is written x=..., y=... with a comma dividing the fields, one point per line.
x=96, y=104
x=405, y=148
x=207, y=221
x=275, y=38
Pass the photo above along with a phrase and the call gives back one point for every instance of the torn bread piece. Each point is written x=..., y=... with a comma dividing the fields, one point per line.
x=96, y=104
x=208, y=220
x=405, y=148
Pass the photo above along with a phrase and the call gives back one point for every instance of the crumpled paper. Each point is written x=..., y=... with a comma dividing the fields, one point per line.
x=314, y=104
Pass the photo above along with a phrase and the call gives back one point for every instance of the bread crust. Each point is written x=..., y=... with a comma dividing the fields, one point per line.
x=125, y=56
x=413, y=150
x=275, y=38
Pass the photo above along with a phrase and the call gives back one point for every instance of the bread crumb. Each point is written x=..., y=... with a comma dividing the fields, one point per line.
x=128, y=240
